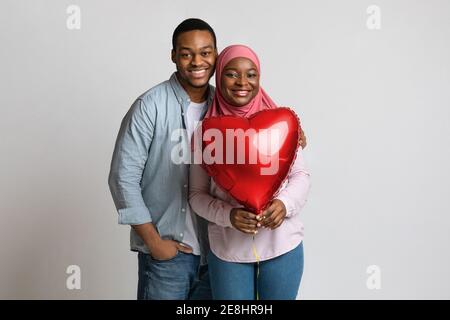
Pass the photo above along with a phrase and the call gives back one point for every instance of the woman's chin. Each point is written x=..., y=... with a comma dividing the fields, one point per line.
x=238, y=102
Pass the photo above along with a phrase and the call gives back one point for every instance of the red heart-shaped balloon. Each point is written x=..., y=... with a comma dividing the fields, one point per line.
x=251, y=157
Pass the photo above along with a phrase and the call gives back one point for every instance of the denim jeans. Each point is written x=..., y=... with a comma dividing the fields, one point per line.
x=279, y=278
x=180, y=278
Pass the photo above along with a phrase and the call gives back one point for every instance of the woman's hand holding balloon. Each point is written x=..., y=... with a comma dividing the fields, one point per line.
x=274, y=215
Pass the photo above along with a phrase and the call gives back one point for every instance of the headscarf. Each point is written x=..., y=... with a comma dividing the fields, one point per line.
x=219, y=105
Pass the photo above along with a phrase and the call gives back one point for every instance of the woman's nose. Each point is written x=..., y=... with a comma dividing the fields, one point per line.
x=242, y=80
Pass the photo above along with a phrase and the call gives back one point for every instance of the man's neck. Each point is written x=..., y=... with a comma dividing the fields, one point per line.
x=196, y=95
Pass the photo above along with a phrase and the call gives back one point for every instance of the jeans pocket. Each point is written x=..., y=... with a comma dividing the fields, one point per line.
x=167, y=260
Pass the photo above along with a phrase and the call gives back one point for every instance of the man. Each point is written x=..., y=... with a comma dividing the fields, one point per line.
x=149, y=189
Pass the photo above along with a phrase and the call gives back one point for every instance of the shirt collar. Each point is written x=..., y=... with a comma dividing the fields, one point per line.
x=182, y=95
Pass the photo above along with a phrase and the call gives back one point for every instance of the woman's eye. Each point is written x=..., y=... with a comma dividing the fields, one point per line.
x=252, y=75
x=231, y=75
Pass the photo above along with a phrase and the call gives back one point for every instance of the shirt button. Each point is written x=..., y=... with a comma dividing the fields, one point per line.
x=183, y=209
x=181, y=234
x=185, y=186
x=182, y=114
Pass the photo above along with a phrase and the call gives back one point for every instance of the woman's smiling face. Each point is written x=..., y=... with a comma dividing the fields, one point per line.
x=239, y=81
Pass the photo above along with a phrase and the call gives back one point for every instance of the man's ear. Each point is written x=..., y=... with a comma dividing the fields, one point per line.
x=173, y=56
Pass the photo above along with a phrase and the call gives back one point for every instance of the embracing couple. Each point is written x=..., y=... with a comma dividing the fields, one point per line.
x=193, y=240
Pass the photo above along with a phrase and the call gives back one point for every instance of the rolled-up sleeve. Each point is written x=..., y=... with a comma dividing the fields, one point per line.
x=128, y=163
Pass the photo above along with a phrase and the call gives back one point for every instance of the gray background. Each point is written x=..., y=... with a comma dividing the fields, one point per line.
x=374, y=105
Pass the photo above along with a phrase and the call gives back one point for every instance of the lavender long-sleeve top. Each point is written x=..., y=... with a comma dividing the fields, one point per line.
x=230, y=244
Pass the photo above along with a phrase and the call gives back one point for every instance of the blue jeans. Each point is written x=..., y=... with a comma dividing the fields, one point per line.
x=279, y=278
x=180, y=278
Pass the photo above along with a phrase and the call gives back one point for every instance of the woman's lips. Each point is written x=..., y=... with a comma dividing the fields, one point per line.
x=241, y=93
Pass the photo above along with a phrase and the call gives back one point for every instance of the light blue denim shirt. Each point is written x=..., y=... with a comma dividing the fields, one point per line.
x=146, y=185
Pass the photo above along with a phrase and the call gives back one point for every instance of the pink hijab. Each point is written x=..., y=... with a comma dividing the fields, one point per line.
x=219, y=105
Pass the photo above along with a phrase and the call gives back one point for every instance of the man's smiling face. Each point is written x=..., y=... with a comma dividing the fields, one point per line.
x=195, y=56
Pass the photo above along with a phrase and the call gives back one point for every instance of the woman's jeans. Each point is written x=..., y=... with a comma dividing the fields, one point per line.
x=279, y=278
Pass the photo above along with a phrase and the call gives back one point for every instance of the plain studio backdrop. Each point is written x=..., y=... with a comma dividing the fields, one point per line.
x=373, y=99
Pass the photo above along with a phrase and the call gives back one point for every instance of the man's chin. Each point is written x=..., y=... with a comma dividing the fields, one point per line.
x=194, y=83
x=198, y=84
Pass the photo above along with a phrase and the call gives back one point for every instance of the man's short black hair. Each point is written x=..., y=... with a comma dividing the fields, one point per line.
x=189, y=25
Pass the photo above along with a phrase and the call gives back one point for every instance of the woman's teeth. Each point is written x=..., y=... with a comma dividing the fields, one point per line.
x=241, y=93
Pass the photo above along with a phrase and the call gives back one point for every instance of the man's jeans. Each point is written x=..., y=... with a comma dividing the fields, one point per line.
x=278, y=279
x=179, y=278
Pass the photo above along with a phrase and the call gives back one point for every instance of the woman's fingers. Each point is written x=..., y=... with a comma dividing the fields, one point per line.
x=247, y=226
x=274, y=214
x=246, y=217
x=277, y=220
x=247, y=230
x=268, y=216
x=273, y=218
x=245, y=221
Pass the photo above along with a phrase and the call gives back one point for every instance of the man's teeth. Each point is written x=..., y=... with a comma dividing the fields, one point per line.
x=198, y=72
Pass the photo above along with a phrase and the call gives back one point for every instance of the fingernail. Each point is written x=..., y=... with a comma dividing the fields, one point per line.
x=258, y=225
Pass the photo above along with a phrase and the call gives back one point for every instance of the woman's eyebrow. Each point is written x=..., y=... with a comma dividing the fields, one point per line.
x=235, y=69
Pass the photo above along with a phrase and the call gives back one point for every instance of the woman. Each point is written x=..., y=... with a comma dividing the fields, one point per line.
x=278, y=232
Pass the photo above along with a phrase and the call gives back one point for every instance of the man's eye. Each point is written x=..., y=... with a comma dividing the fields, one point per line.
x=185, y=55
x=205, y=54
